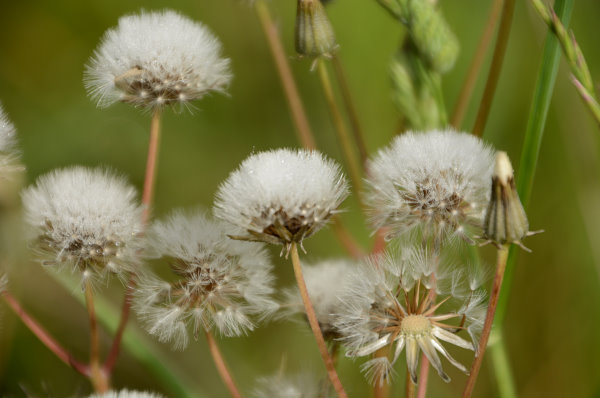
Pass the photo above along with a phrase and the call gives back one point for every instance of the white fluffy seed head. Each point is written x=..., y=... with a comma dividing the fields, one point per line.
x=326, y=281
x=281, y=196
x=126, y=394
x=9, y=155
x=437, y=182
x=219, y=282
x=156, y=59
x=293, y=386
x=85, y=219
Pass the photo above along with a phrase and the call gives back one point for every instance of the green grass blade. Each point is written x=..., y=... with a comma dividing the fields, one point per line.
x=533, y=139
x=135, y=342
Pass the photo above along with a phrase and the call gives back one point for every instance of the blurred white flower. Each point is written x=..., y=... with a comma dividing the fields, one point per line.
x=295, y=386
x=220, y=282
x=85, y=219
x=437, y=182
x=9, y=155
x=281, y=196
x=326, y=281
x=126, y=394
x=404, y=302
x=156, y=59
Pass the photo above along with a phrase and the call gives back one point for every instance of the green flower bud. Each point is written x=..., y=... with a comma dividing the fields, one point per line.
x=314, y=33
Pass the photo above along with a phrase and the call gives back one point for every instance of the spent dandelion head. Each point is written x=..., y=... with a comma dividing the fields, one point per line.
x=505, y=219
x=402, y=303
x=218, y=282
x=435, y=182
x=281, y=196
x=126, y=394
x=326, y=281
x=156, y=59
x=85, y=219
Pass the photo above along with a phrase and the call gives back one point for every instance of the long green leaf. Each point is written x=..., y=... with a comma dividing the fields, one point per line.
x=529, y=158
x=135, y=342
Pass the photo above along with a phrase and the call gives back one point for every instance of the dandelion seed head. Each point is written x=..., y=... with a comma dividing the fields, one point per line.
x=9, y=155
x=291, y=386
x=156, y=59
x=392, y=301
x=219, y=282
x=281, y=196
x=435, y=182
x=86, y=219
x=326, y=281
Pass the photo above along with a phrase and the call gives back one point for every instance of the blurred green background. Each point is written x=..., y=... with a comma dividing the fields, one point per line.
x=553, y=321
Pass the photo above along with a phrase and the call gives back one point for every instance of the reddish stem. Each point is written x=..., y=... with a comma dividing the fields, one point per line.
x=222, y=366
x=111, y=360
x=151, y=164
x=43, y=335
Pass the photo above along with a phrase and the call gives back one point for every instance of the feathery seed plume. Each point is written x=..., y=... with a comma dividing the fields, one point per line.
x=85, y=219
x=220, y=282
x=156, y=59
x=435, y=182
x=126, y=394
x=281, y=196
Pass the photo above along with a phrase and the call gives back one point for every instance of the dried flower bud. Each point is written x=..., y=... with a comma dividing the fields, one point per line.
x=505, y=219
x=314, y=34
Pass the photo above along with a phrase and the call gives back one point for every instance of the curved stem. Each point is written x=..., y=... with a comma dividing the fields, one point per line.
x=314, y=324
x=466, y=92
x=151, y=164
x=98, y=377
x=342, y=132
x=495, y=68
x=43, y=336
x=489, y=319
x=222, y=366
x=357, y=131
x=111, y=360
x=295, y=105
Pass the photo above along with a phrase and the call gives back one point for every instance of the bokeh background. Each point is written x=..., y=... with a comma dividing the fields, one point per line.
x=553, y=321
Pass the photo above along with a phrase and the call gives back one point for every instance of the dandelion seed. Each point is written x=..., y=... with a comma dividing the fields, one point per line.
x=281, y=196
x=391, y=302
x=220, y=282
x=156, y=59
x=85, y=219
x=9, y=156
x=326, y=281
x=435, y=182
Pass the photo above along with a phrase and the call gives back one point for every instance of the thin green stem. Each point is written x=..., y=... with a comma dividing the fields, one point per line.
x=357, y=131
x=495, y=68
x=502, y=369
x=340, y=128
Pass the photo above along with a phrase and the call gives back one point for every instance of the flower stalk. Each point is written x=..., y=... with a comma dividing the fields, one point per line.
x=495, y=68
x=99, y=379
x=151, y=164
x=222, y=366
x=502, y=256
x=314, y=324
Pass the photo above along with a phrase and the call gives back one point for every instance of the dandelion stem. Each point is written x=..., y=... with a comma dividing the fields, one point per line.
x=423, y=377
x=314, y=324
x=347, y=241
x=295, y=105
x=489, y=320
x=97, y=375
x=495, y=68
x=111, y=360
x=151, y=164
x=469, y=85
x=410, y=387
x=42, y=335
x=222, y=366
x=340, y=76
x=340, y=128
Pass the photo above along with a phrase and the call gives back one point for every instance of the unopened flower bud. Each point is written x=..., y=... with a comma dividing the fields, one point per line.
x=314, y=33
x=505, y=220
